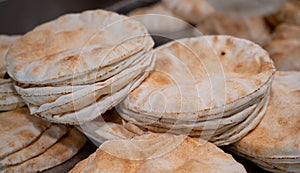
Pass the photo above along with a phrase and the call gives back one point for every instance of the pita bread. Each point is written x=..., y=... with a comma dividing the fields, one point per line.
x=5, y=42
x=60, y=152
x=284, y=48
x=72, y=44
x=9, y=99
x=286, y=31
x=18, y=129
x=90, y=93
x=275, y=140
x=192, y=11
x=213, y=61
x=158, y=19
x=288, y=13
x=159, y=153
x=97, y=108
x=108, y=127
x=251, y=28
x=45, y=141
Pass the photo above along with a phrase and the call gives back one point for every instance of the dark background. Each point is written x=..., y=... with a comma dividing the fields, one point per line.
x=20, y=16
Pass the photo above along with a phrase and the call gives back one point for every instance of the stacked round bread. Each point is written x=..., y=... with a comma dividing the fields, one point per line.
x=213, y=87
x=71, y=70
x=284, y=47
x=9, y=98
x=274, y=143
x=30, y=144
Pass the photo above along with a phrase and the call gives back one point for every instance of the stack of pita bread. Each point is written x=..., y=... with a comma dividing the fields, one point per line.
x=71, y=70
x=284, y=48
x=213, y=87
x=30, y=144
x=274, y=143
x=252, y=28
x=159, y=153
x=191, y=11
x=158, y=19
x=109, y=126
x=288, y=13
x=9, y=98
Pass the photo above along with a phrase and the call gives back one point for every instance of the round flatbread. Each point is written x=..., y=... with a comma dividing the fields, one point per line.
x=192, y=77
x=9, y=98
x=158, y=19
x=192, y=11
x=284, y=48
x=251, y=28
x=74, y=45
x=18, y=129
x=159, y=153
x=5, y=42
x=288, y=13
x=276, y=136
x=45, y=141
x=60, y=152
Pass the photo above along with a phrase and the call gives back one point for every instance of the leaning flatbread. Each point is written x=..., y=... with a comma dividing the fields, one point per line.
x=18, y=129
x=60, y=152
x=159, y=153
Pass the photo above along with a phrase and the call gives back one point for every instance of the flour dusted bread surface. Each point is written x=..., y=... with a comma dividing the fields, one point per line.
x=277, y=135
x=76, y=67
x=18, y=130
x=48, y=138
x=159, y=153
x=178, y=78
x=60, y=152
x=274, y=143
x=72, y=45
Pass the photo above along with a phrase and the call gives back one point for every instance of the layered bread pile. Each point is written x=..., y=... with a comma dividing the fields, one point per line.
x=158, y=19
x=284, y=47
x=159, y=153
x=30, y=144
x=274, y=143
x=109, y=126
x=213, y=87
x=9, y=98
x=71, y=70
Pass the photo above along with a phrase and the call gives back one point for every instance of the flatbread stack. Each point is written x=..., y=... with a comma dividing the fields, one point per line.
x=274, y=144
x=158, y=19
x=109, y=126
x=192, y=11
x=252, y=28
x=9, y=98
x=159, y=153
x=71, y=70
x=284, y=48
x=213, y=87
x=288, y=13
x=30, y=144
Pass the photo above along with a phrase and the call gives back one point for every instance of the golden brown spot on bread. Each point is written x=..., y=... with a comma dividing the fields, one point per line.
x=71, y=58
x=158, y=78
x=283, y=122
